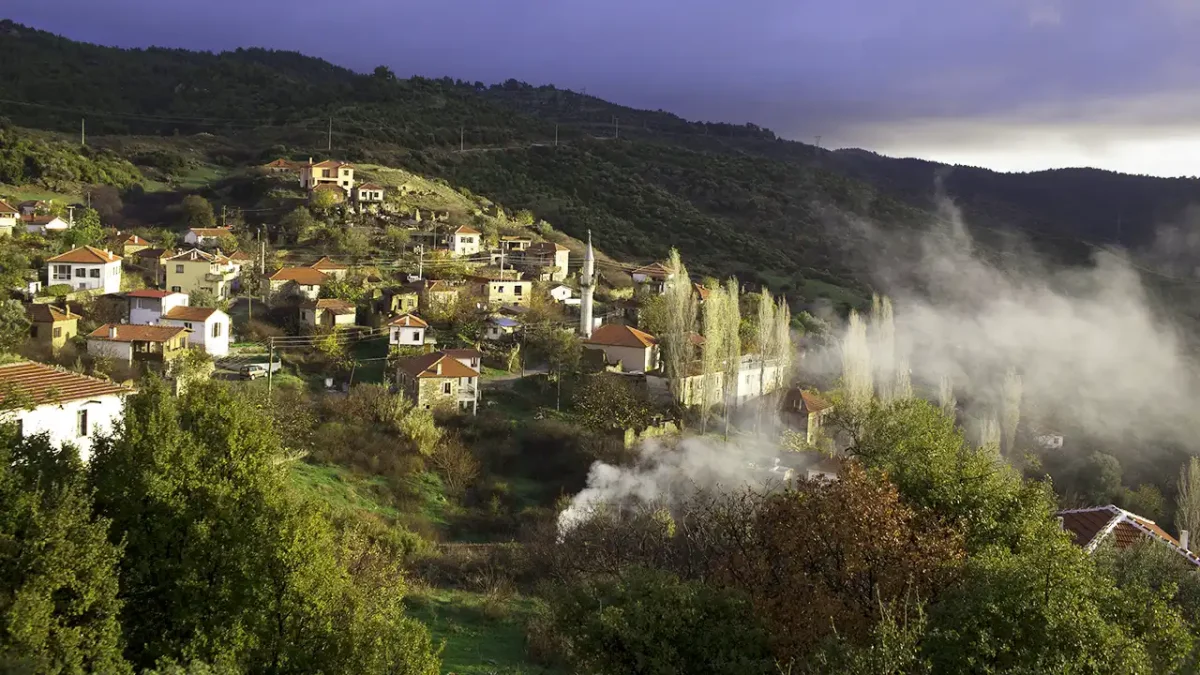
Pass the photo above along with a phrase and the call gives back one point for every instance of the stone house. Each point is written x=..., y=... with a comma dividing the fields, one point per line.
x=438, y=379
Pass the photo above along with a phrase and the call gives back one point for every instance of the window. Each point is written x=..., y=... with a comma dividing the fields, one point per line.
x=445, y=387
x=116, y=272
x=416, y=336
x=62, y=271
x=217, y=329
x=95, y=273
x=20, y=428
x=517, y=290
x=179, y=269
x=81, y=426
x=187, y=325
x=499, y=289
x=80, y=272
x=324, y=173
x=33, y=331
x=176, y=289
x=58, y=331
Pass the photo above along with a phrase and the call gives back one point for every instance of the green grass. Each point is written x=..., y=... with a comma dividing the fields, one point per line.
x=480, y=636
x=343, y=489
x=815, y=288
x=24, y=193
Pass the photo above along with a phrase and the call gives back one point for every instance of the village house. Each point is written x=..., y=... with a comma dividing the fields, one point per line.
x=561, y=293
x=209, y=236
x=208, y=328
x=51, y=326
x=283, y=166
x=126, y=343
x=1108, y=525
x=394, y=301
x=331, y=268
x=634, y=350
x=407, y=330
x=471, y=358
x=34, y=207
x=338, y=192
x=153, y=261
x=44, y=224
x=500, y=327
x=465, y=241
x=195, y=270
x=652, y=277
x=328, y=172
x=438, y=379
x=513, y=244
x=436, y=294
x=805, y=411
x=132, y=244
x=328, y=313
x=297, y=282
x=8, y=218
x=146, y=305
x=496, y=287
x=368, y=193
x=71, y=408
x=547, y=260
x=86, y=268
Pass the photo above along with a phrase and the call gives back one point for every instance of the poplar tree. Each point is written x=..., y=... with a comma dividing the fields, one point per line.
x=1011, y=410
x=857, y=378
x=883, y=346
x=781, y=344
x=733, y=344
x=946, y=397
x=713, y=352
x=766, y=339
x=1187, y=501
x=681, y=321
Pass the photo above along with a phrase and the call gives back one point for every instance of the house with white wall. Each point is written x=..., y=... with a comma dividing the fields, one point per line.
x=71, y=408
x=39, y=224
x=465, y=241
x=297, y=282
x=8, y=217
x=146, y=305
x=86, y=268
x=499, y=327
x=407, y=330
x=209, y=236
x=561, y=293
x=209, y=327
x=636, y=351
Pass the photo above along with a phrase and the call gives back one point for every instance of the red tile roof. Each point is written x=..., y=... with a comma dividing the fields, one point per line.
x=241, y=256
x=332, y=305
x=305, y=276
x=655, y=270
x=425, y=366
x=1095, y=525
x=331, y=164
x=148, y=293
x=132, y=332
x=190, y=313
x=212, y=231
x=194, y=255
x=48, y=314
x=370, y=186
x=159, y=253
x=617, y=335
x=85, y=255
x=6, y=208
x=814, y=403
x=44, y=384
x=466, y=229
x=325, y=263
x=136, y=241
x=408, y=321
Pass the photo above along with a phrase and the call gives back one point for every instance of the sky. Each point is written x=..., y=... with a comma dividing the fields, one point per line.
x=1012, y=85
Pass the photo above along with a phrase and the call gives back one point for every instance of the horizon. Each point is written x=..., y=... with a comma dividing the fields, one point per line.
x=1092, y=116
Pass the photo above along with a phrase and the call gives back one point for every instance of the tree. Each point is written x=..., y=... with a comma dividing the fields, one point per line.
x=605, y=402
x=203, y=298
x=524, y=217
x=86, y=231
x=652, y=314
x=106, y=201
x=455, y=463
x=652, y=622
x=562, y=350
x=681, y=320
x=946, y=397
x=713, y=352
x=857, y=378
x=323, y=200
x=197, y=212
x=882, y=332
x=297, y=224
x=222, y=565
x=1010, y=416
x=1187, y=498
x=765, y=329
x=59, y=611
x=13, y=264
x=14, y=326
x=733, y=346
x=394, y=239
x=1101, y=475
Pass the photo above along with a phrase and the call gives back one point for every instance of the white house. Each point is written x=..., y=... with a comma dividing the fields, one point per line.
x=368, y=193
x=407, y=330
x=549, y=259
x=8, y=217
x=470, y=358
x=500, y=326
x=35, y=224
x=207, y=236
x=465, y=241
x=209, y=327
x=561, y=293
x=86, y=268
x=71, y=408
x=128, y=342
x=146, y=306
x=301, y=282
x=636, y=351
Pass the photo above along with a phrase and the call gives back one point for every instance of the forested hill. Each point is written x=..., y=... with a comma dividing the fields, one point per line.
x=734, y=198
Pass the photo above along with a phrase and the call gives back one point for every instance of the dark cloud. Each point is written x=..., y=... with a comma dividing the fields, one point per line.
x=854, y=71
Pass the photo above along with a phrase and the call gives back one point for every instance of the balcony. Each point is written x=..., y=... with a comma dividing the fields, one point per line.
x=225, y=277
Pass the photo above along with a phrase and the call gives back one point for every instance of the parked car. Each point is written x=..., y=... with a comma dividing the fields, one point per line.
x=253, y=371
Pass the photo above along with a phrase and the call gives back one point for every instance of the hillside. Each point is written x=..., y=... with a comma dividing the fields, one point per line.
x=734, y=198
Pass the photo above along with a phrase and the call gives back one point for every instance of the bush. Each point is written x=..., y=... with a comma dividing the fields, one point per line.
x=55, y=291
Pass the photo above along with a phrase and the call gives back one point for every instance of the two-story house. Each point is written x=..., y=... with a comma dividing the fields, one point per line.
x=436, y=294
x=8, y=218
x=407, y=330
x=208, y=328
x=497, y=287
x=471, y=358
x=331, y=268
x=195, y=270
x=146, y=305
x=438, y=379
x=283, y=166
x=154, y=261
x=51, y=326
x=328, y=172
x=514, y=244
x=132, y=244
x=210, y=236
x=155, y=346
x=465, y=241
x=653, y=277
x=297, y=282
x=547, y=260
x=86, y=268
x=71, y=408
x=636, y=351
x=328, y=313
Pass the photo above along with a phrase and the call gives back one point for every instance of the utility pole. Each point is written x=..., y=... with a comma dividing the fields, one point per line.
x=461, y=135
x=420, y=262
x=83, y=131
x=329, y=143
x=270, y=365
x=556, y=135
x=71, y=214
x=616, y=127
x=262, y=254
x=224, y=215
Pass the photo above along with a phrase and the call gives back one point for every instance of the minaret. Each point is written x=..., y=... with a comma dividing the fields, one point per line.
x=587, y=284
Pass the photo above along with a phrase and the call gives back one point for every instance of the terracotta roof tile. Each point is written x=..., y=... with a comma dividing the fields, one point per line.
x=241, y=256
x=408, y=321
x=158, y=253
x=617, y=335
x=332, y=305
x=6, y=208
x=132, y=332
x=425, y=366
x=655, y=270
x=136, y=241
x=85, y=255
x=305, y=276
x=48, y=314
x=44, y=384
x=369, y=186
x=1092, y=526
x=466, y=229
x=190, y=313
x=325, y=263
x=212, y=231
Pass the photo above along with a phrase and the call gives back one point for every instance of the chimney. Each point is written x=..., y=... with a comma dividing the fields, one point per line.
x=439, y=368
x=1183, y=540
x=112, y=332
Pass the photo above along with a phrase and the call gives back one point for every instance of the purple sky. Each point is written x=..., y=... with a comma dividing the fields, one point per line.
x=1009, y=84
